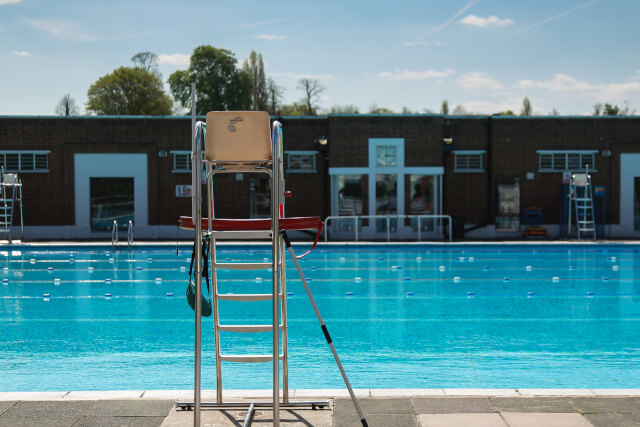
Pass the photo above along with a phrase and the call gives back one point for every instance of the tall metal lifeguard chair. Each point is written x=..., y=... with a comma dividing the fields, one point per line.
x=244, y=142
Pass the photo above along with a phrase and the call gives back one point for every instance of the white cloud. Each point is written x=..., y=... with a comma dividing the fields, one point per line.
x=491, y=21
x=621, y=91
x=398, y=74
x=61, y=29
x=559, y=83
x=478, y=81
x=177, y=59
x=21, y=53
x=270, y=37
x=3, y=2
x=295, y=76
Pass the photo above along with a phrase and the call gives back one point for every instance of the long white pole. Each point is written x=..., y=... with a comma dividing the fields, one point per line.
x=196, y=199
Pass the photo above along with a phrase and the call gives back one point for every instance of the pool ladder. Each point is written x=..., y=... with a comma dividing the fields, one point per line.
x=114, y=233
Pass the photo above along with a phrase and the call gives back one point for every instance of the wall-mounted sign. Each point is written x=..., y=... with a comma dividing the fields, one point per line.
x=183, y=190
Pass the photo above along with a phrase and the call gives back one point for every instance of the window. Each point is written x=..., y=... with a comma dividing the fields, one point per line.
x=181, y=161
x=560, y=161
x=468, y=161
x=301, y=161
x=24, y=161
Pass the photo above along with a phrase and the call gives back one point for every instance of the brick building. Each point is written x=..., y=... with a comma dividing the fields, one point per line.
x=80, y=173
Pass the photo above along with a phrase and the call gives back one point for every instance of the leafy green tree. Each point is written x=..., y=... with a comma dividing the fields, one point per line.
x=344, y=109
x=67, y=106
x=505, y=113
x=445, y=107
x=128, y=91
x=295, y=109
x=526, y=107
x=611, y=110
x=254, y=66
x=374, y=109
x=220, y=85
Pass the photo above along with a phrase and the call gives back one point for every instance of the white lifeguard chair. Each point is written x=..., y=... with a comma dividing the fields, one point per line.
x=581, y=194
x=244, y=142
x=10, y=198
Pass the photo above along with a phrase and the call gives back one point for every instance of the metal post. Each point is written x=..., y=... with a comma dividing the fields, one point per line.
x=196, y=200
x=355, y=222
x=275, y=238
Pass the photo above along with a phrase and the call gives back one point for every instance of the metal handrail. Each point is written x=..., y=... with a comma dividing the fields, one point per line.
x=130, y=233
x=355, y=219
x=114, y=233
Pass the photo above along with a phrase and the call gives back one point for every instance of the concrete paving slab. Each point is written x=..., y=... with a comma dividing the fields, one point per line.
x=555, y=392
x=327, y=393
x=103, y=395
x=224, y=418
x=377, y=420
x=43, y=395
x=480, y=392
x=616, y=392
x=610, y=405
x=168, y=394
x=374, y=406
x=6, y=405
x=132, y=408
x=37, y=422
x=532, y=419
x=461, y=420
x=533, y=404
x=50, y=409
x=119, y=421
x=453, y=405
x=406, y=392
x=617, y=420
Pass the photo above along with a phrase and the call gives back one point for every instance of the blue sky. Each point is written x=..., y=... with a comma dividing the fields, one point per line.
x=485, y=55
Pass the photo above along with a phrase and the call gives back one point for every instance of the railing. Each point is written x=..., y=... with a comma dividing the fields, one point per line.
x=130, y=233
x=114, y=233
x=388, y=218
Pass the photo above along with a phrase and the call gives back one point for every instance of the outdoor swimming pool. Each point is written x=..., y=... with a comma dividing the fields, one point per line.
x=401, y=316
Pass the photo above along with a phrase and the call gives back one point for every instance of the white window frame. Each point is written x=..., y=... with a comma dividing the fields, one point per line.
x=479, y=153
x=24, y=153
x=187, y=153
x=310, y=153
x=566, y=153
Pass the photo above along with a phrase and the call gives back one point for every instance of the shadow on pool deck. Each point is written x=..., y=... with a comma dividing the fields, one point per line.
x=405, y=411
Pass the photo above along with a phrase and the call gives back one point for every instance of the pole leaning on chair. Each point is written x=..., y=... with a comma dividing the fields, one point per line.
x=196, y=200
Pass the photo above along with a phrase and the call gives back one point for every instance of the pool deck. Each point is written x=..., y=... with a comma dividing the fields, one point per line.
x=382, y=407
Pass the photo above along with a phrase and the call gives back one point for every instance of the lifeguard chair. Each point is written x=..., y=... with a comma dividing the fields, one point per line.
x=244, y=142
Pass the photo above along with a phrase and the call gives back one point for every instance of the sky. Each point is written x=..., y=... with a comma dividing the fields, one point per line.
x=483, y=55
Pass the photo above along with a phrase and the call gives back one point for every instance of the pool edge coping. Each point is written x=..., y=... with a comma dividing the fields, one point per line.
x=323, y=393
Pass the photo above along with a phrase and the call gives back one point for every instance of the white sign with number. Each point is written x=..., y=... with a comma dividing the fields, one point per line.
x=183, y=190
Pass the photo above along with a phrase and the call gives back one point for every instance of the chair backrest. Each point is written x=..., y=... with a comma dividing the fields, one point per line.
x=238, y=136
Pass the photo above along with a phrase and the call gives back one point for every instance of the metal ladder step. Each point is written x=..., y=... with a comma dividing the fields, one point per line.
x=248, y=358
x=248, y=328
x=246, y=297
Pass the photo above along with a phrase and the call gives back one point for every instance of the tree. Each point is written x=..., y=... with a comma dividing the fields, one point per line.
x=67, y=106
x=505, y=113
x=312, y=90
x=274, y=97
x=526, y=107
x=554, y=112
x=611, y=110
x=459, y=110
x=128, y=91
x=445, y=107
x=344, y=109
x=255, y=68
x=374, y=109
x=295, y=109
x=220, y=85
x=148, y=61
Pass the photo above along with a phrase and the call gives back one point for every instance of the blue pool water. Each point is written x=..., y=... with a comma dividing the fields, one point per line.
x=424, y=316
